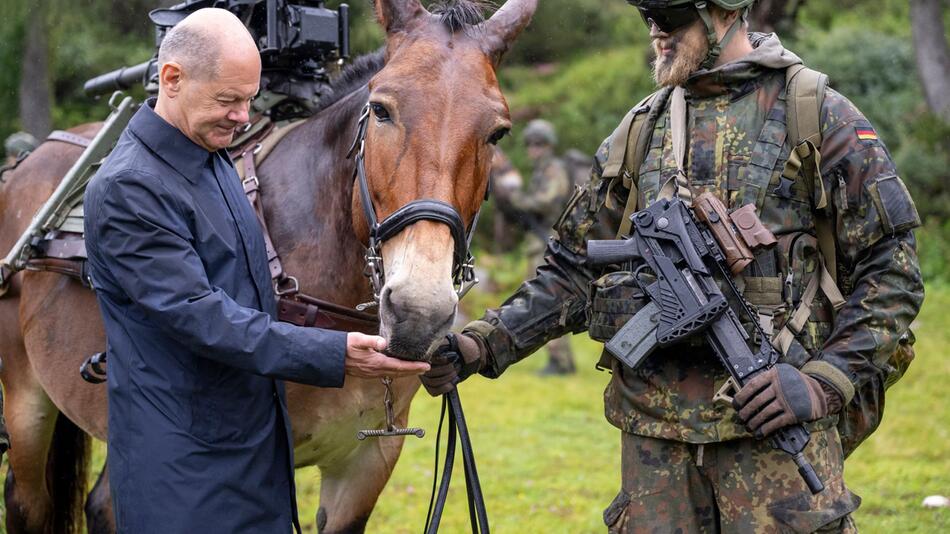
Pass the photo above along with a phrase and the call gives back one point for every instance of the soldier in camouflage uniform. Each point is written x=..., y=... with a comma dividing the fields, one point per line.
x=537, y=207
x=689, y=464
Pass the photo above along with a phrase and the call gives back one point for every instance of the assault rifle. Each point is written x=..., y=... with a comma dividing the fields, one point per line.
x=688, y=279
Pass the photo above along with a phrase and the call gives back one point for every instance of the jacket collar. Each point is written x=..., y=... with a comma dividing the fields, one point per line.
x=741, y=76
x=168, y=142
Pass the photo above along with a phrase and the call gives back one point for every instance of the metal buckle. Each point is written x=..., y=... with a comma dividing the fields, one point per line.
x=257, y=148
x=292, y=290
x=374, y=269
x=467, y=279
x=251, y=180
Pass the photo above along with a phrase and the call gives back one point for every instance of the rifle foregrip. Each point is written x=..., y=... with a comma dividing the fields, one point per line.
x=607, y=251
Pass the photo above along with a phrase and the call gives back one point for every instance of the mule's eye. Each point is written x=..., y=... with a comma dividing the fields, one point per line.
x=380, y=111
x=497, y=135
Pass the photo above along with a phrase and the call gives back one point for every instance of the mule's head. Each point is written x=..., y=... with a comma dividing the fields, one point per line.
x=436, y=112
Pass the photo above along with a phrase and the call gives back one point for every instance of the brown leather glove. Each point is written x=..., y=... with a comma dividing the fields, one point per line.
x=783, y=396
x=457, y=358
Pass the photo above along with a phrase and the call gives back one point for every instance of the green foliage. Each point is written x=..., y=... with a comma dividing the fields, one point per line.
x=584, y=99
x=11, y=38
x=923, y=159
x=933, y=249
x=878, y=76
x=564, y=29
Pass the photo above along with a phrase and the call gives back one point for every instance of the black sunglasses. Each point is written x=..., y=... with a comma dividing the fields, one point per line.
x=669, y=19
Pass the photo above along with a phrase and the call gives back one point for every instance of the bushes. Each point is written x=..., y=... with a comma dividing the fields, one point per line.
x=585, y=99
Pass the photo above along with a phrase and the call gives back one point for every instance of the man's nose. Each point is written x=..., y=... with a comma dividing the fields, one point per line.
x=240, y=115
x=655, y=31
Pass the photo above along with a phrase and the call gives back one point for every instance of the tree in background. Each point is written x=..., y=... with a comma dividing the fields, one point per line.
x=774, y=15
x=932, y=54
x=35, y=104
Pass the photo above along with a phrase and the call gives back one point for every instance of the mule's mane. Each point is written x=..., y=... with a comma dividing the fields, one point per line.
x=354, y=76
x=460, y=14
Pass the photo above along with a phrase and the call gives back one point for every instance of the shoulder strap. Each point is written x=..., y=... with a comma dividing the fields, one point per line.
x=628, y=145
x=805, y=93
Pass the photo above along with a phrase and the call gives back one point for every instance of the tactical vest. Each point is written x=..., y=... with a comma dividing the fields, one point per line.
x=791, y=132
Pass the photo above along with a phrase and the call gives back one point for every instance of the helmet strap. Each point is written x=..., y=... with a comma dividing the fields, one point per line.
x=715, y=45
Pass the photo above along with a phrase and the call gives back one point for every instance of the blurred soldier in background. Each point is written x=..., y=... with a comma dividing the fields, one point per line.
x=505, y=179
x=536, y=208
x=18, y=145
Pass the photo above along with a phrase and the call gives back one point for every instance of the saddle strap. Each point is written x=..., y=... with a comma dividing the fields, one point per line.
x=307, y=311
x=70, y=138
x=292, y=306
x=77, y=269
x=252, y=188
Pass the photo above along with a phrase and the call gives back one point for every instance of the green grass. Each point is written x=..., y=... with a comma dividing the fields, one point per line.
x=549, y=462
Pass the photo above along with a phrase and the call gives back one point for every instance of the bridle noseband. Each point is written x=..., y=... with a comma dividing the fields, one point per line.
x=463, y=263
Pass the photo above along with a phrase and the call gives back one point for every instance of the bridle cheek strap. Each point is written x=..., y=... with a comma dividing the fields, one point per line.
x=463, y=273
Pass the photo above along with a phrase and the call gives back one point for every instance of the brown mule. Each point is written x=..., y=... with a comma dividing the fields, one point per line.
x=437, y=109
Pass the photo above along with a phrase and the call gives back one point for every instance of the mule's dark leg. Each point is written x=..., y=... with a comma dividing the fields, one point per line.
x=31, y=418
x=99, y=519
x=348, y=492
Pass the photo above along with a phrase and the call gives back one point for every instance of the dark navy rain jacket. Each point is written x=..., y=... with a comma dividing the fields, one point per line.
x=199, y=437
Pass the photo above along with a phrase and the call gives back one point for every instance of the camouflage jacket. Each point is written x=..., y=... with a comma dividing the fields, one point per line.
x=735, y=123
x=544, y=197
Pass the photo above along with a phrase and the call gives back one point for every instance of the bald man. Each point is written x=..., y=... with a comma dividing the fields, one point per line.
x=199, y=437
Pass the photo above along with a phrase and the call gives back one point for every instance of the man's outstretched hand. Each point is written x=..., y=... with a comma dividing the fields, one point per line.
x=364, y=359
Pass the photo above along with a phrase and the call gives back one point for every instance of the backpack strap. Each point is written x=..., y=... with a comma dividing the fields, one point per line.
x=804, y=95
x=627, y=147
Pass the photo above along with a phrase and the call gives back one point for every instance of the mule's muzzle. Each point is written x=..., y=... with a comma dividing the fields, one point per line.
x=413, y=326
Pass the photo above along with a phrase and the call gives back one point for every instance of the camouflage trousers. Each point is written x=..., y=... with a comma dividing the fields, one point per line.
x=735, y=486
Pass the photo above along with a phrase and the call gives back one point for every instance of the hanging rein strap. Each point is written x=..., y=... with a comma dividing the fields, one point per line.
x=478, y=514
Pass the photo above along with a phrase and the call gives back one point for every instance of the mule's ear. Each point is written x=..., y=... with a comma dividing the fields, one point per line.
x=505, y=25
x=395, y=15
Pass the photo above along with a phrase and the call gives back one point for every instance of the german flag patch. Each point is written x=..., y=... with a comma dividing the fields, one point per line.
x=866, y=134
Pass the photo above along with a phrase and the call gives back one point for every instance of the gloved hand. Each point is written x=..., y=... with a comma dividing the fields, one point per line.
x=457, y=358
x=783, y=396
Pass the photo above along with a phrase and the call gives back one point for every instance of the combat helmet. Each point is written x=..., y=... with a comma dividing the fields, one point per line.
x=679, y=12
x=539, y=131
x=19, y=143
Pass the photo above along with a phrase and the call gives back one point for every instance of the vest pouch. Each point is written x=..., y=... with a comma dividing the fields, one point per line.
x=614, y=299
x=798, y=262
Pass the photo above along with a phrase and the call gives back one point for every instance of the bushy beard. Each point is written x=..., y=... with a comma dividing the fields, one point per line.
x=689, y=51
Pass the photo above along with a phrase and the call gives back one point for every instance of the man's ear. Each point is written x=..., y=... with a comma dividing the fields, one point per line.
x=169, y=78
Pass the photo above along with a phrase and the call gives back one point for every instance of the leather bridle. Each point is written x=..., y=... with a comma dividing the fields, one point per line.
x=463, y=263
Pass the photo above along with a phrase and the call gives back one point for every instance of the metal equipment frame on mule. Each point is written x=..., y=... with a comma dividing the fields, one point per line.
x=69, y=191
